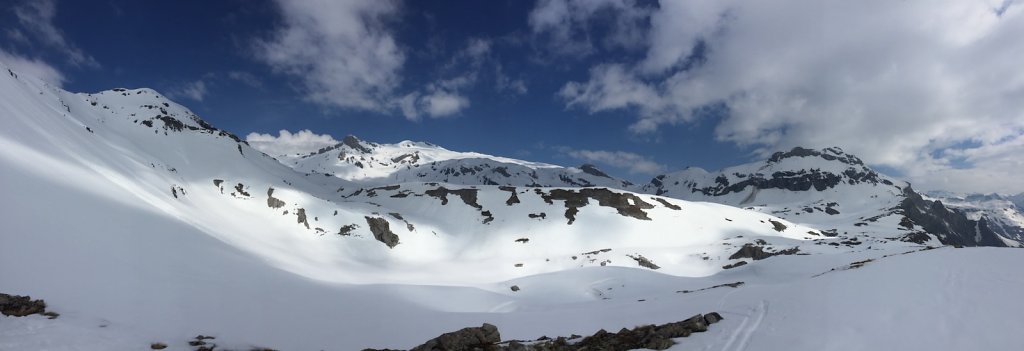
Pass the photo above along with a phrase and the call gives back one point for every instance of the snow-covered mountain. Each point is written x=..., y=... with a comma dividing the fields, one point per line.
x=833, y=190
x=140, y=223
x=1003, y=214
x=372, y=163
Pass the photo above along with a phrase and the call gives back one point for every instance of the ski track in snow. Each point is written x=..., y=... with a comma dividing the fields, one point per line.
x=739, y=338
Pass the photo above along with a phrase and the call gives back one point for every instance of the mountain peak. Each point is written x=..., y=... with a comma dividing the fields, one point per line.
x=829, y=154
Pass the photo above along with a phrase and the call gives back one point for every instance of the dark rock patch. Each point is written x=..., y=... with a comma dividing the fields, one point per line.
x=347, y=229
x=273, y=202
x=667, y=204
x=20, y=306
x=778, y=226
x=626, y=204
x=240, y=189
x=653, y=337
x=301, y=213
x=522, y=240
x=472, y=338
x=468, y=196
x=643, y=261
x=538, y=215
x=734, y=265
x=381, y=230
x=515, y=288
x=756, y=252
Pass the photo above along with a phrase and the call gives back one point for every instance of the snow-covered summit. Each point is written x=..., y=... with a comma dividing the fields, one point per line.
x=372, y=163
x=829, y=188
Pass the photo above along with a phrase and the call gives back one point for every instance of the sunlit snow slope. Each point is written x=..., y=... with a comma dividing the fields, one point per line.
x=141, y=223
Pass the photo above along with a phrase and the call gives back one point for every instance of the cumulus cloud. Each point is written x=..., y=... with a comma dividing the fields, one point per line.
x=36, y=17
x=195, y=90
x=633, y=163
x=345, y=55
x=32, y=67
x=897, y=83
x=566, y=26
x=342, y=51
x=289, y=144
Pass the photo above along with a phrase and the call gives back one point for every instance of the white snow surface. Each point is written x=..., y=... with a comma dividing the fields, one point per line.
x=120, y=226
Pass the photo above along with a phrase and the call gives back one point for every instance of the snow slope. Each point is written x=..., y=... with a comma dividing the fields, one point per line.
x=140, y=223
x=372, y=163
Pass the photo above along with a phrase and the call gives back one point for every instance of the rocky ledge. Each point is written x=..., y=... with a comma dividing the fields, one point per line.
x=653, y=337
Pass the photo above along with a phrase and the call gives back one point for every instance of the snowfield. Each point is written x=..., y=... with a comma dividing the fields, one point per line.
x=140, y=223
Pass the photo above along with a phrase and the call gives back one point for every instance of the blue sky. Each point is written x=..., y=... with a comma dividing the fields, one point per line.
x=637, y=87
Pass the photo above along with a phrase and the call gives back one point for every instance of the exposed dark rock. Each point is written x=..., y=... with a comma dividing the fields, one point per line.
x=643, y=261
x=512, y=198
x=347, y=229
x=712, y=318
x=951, y=227
x=522, y=240
x=515, y=288
x=468, y=196
x=734, y=265
x=467, y=339
x=538, y=215
x=273, y=202
x=20, y=306
x=592, y=170
x=157, y=346
x=778, y=226
x=353, y=142
x=382, y=231
x=595, y=252
x=301, y=213
x=626, y=204
x=916, y=237
x=667, y=204
x=757, y=252
x=488, y=217
x=240, y=189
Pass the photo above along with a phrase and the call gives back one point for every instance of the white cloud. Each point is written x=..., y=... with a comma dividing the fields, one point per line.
x=342, y=51
x=195, y=90
x=346, y=56
x=245, y=78
x=36, y=16
x=896, y=83
x=286, y=143
x=565, y=25
x=633, y=163
x=32, y=67
x=442, y=104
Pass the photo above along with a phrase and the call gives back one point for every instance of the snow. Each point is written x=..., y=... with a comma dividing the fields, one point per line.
x=91, y=225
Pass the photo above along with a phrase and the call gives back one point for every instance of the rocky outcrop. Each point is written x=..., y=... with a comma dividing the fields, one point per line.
x=626, y=204
x=951, y=227
x=21, y=306
x=382, y=231
x=464, y=339
x=757, y=252
x=273, y=202
x=652, y=337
